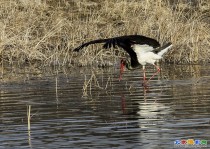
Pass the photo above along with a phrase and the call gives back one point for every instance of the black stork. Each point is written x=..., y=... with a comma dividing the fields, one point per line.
x=141, y=49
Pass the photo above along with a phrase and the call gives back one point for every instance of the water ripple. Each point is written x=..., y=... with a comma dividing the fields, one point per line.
x=106, y=113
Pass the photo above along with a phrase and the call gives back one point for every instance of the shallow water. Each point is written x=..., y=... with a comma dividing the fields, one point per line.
x=91, y=108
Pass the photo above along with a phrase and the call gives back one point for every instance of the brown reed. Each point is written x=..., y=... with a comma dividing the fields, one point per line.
x=47, y=31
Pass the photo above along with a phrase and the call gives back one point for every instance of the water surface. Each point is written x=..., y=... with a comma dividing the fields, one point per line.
x=91, y=108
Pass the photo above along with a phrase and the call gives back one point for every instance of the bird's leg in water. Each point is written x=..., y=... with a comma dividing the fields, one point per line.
x=144, y=78
x=158, y=70
x=123, y=104
x=122, y=65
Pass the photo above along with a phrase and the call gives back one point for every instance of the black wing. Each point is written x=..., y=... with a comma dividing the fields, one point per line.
x=117, y=41
x=91, y=42
x=126, y=43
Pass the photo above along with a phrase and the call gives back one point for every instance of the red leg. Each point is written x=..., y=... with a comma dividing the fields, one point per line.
x=121, y=69
x=144, y=78
x=158, y=70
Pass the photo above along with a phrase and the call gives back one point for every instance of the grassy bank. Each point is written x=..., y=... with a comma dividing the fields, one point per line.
x=45, y=32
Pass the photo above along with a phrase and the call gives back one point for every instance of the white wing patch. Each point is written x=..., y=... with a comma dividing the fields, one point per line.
x=145, y=55
x=142, y=48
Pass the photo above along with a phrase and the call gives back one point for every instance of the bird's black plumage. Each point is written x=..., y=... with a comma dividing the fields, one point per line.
x=126, y=43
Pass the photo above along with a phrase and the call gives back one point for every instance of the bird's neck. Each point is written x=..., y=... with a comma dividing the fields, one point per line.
x=128, y=65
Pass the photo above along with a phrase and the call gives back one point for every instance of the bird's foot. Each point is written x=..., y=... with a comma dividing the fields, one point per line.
x=145, y=85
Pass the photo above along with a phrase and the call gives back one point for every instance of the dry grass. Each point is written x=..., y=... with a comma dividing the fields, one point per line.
x=46, y=32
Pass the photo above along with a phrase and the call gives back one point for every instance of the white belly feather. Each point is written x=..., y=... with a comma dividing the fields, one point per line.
x=145, y=55
x=148, y=57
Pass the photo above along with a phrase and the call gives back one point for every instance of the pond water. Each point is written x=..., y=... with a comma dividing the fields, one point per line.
x=90, y=108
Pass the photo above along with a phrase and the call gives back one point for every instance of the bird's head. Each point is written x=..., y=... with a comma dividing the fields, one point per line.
x=125, y=62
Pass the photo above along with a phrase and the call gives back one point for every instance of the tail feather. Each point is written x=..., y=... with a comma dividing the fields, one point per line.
x=164, y=49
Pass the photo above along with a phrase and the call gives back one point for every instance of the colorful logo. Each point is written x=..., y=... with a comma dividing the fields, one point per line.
x=190, y=143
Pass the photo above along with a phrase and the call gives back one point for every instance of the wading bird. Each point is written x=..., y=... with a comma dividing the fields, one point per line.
x=141, y=49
